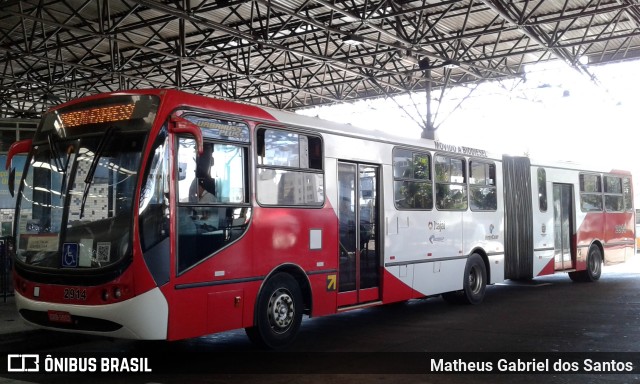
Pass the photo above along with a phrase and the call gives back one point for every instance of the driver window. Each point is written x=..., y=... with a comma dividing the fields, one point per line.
x=213, y=199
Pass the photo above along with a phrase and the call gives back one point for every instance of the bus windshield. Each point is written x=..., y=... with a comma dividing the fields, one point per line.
x=77, y=196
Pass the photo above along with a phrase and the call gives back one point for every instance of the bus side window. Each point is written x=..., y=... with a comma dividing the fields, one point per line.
x=627, y=190
x=590, y=192
x=412, y=188
x=542, y=189
x=451, y=183
x=482, y=186
x=289, y=171
x=613, y=197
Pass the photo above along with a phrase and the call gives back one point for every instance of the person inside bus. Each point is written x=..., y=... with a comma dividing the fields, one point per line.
x=206, y=191
x=203, y=191
x=206, y=217
x=203, y=188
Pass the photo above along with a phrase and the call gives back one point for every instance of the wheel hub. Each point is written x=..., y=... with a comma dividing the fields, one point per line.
x=475, y=280
x=281, y=311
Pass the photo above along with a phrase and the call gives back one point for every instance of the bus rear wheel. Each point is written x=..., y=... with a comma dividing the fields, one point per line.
x=474, y=284
x=594, y=267
x=278, y=313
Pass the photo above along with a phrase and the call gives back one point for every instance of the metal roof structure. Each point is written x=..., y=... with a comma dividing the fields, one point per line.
x=294, y=53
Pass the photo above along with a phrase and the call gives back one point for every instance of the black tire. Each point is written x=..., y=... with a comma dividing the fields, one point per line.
x=475, y=280
x=594, y=268
x=278, y=313
x=474, y=284
x=594, y=265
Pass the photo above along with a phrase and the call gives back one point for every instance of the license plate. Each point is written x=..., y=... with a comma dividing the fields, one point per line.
x=59, y=317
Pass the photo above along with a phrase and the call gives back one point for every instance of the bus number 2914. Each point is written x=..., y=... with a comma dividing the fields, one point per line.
x=75, y=294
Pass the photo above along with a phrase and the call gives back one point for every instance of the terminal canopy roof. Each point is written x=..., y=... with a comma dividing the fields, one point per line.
x=294, y=53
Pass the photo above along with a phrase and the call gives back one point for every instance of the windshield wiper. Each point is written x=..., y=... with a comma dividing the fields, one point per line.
x=55, y=152
x=63, y=183
x=94, y=164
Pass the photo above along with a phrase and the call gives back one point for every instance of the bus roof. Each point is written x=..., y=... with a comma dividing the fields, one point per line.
x=172, y=99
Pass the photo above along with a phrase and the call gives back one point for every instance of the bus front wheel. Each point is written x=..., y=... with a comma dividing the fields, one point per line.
x=278, y=313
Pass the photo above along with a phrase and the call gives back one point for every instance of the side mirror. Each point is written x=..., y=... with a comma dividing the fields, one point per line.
x=17, y=148
x=182, y=125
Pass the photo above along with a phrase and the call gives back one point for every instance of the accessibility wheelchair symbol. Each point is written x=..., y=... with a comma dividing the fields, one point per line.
x=70, y=255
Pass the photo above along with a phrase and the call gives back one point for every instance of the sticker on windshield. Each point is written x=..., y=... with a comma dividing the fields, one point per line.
x=86, y=249
x=48, y=243
x=103, y=252
x=69, y=255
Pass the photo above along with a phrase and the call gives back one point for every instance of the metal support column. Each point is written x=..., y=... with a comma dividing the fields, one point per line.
x=428, y=131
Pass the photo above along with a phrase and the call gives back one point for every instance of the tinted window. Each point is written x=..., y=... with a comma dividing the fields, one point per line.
x=542, y=189
x=289, y=168
x=590, y=192
x=482, y=186
x=451, y=186
x=412, y=179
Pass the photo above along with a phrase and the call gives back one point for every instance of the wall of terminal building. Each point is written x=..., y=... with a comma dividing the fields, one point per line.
x=10, y=132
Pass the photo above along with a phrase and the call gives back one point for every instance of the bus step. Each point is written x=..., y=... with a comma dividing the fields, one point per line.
x=358, y=306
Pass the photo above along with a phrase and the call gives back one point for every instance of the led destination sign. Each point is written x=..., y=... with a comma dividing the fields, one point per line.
x=98, y=115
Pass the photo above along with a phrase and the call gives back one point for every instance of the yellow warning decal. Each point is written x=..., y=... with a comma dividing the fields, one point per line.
x=331, y=282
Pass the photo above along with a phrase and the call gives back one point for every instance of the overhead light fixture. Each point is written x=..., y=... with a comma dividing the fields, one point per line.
x=353, y=39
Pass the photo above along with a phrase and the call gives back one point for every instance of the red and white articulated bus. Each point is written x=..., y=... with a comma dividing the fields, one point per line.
x=159, y=214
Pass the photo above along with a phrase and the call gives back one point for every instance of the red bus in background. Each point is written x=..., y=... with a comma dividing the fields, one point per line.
x=159, y=214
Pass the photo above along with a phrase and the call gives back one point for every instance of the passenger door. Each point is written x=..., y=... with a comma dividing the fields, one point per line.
x=564, y=227
x=358, y=215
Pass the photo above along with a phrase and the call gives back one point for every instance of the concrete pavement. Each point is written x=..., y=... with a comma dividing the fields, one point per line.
x=10, y=321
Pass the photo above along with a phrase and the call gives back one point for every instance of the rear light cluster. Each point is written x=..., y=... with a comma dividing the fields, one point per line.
x=114, y=293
